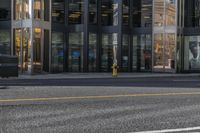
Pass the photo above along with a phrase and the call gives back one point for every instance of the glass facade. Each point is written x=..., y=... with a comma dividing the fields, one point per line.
x=109, y=12
x=91, y=35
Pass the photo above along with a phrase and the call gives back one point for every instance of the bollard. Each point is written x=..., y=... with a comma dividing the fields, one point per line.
x=114, y=72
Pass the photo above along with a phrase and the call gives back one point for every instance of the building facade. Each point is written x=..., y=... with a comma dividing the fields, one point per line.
x=90, y=35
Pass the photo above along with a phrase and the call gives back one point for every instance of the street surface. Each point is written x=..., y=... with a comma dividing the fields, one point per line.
x=120, y=105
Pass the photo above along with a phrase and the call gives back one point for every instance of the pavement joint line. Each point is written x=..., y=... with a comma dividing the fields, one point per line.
x=98, y=97
x=170, y=130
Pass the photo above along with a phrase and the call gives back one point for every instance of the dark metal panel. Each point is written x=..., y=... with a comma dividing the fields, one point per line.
x=5, y=25
x=120, y=34
x=86, y=37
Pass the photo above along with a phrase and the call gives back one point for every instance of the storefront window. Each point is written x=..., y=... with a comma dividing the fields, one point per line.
x=125, y=53
x=92, y=52
x=75, y=52
x=5, y=10
x=58, y=11
x=92, y=11
x=57, y=52
x=109, y=12
x=142, y=13
x=126, y=12
x=192, y=53
x=76, y=12
x=108, y=55
x=5, y=42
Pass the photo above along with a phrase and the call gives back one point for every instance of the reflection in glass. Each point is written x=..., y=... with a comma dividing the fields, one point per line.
x=22, y=9
x=109, y=42
x=170, y=12
x=159, y=15
x=109, y=12
x=5, y=10
x=126, y=12
x=76, y=11
x=142, y=13
x=158, y=51
x=58, y=10
x=92, y=52
x=76, y=52
x=92, y=11
x=57, y=52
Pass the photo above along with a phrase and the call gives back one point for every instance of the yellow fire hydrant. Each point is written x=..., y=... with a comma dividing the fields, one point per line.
x=114, y=72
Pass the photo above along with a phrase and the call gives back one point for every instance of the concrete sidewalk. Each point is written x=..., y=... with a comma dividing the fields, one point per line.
x=104, y=75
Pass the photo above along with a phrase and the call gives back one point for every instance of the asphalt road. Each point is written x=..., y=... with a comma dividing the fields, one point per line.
x=138, y=82
x=100, y=109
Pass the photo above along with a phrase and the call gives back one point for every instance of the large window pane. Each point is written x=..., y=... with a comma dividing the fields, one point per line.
x=109, y=42
x=75, y=52
x=57, y=52
x=92, y=52
x=5, y=42
x=76, y=11
x=142, y=13
x=5, y=10
x=126, y=12
x=92, y=11
x=58, y=10
x=109, y=12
